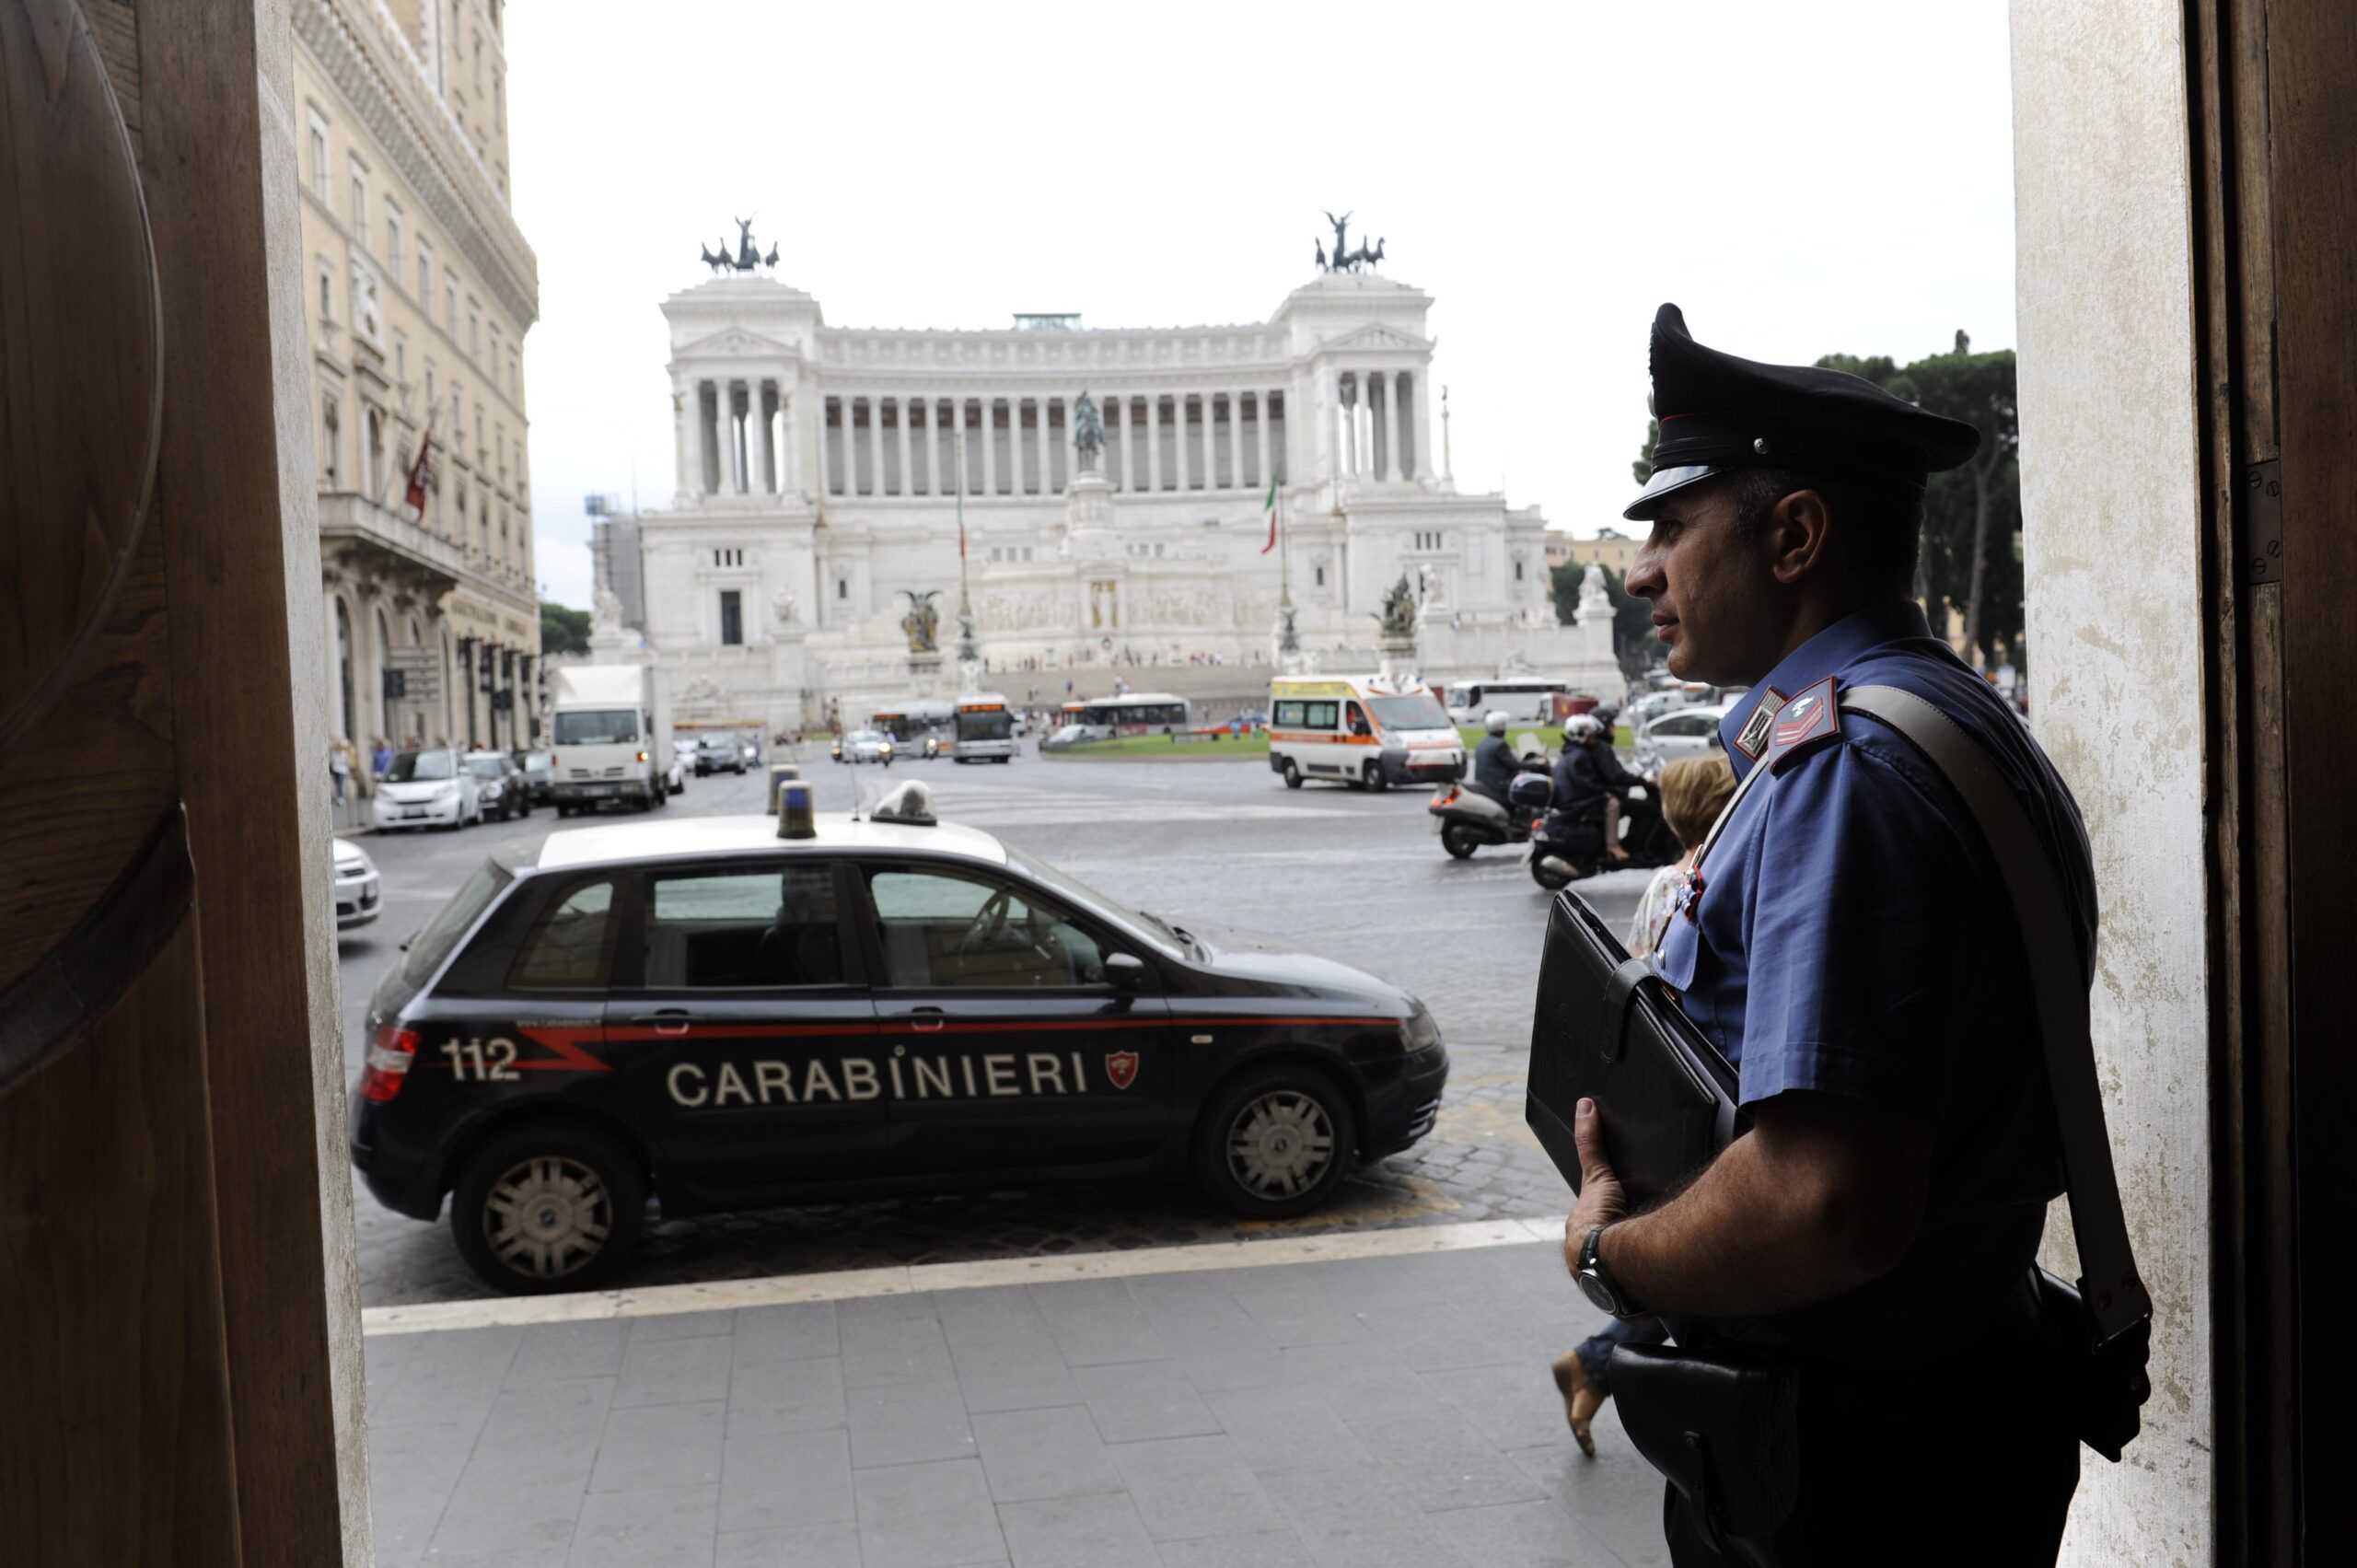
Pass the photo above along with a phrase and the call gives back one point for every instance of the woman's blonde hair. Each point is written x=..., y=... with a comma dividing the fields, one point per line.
x=1693, y=792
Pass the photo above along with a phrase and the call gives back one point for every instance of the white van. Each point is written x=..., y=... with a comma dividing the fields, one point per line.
x=1360, y=730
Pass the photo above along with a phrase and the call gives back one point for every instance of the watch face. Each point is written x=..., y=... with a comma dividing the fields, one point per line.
x=1597, y=1292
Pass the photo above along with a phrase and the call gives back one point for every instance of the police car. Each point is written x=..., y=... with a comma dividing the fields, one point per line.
x=742, y=1012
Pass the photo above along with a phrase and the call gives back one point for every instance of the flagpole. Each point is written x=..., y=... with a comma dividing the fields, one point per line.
x=1288, y=639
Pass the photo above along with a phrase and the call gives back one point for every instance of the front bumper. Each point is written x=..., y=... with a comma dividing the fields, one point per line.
x=358, y=901
x=386, y=815
x=1435, y=766
x=1401, y=1110
x=594, y=792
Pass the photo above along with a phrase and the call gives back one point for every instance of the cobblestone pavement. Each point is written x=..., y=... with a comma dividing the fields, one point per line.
x=1360, y=878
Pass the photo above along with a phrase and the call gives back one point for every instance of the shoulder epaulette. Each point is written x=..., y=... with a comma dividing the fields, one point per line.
x=1805, y=722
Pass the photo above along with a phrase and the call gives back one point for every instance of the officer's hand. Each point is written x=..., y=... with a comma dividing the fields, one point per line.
x=1601, y=1198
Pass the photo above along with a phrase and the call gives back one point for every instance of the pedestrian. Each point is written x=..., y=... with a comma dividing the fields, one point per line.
x=339, y=765
x=382, y=758
x=1847, y=943
x=1693, y=792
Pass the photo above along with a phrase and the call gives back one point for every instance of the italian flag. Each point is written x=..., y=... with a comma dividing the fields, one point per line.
x=1270, y=506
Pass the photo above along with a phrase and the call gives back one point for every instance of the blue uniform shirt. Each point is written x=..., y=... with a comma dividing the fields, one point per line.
x=1853, y=938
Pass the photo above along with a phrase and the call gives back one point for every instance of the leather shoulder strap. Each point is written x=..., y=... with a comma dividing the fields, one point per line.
x=2114, y=1292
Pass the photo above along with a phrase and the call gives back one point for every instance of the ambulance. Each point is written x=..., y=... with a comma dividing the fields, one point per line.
x=1360, y=730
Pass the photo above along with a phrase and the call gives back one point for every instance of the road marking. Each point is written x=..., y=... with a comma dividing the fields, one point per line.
x=721, y=1296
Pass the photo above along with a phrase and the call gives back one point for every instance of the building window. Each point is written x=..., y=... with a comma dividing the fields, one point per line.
x=1318, y=576
x=424, y=275
x=498, y=360
x=732, y=617
x=842, y=587
x=728, y=558
x=474, y=327
x=327, y=291
x=330, y=443
x=450, y=304
x=1518, y=569
x=401, y=359
x=360, y=202
x=514, y=374
x=393, y=240
x=319, y=159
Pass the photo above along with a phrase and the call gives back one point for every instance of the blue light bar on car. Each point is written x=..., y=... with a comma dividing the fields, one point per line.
x=795, y=816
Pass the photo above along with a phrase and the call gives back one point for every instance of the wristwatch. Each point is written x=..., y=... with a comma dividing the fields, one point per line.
x=1599, y=1285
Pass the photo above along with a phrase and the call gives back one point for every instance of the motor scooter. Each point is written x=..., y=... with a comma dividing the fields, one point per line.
x=1567, y=847
x=1468, y=818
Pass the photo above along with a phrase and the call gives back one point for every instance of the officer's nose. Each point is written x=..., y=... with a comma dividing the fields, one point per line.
x=1646, y=579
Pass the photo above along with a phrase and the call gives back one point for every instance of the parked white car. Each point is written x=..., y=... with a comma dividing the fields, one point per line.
x=429, y=789
x=358, y=894
x=1689, y=732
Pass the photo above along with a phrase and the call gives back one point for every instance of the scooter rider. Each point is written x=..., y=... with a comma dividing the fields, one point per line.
x=1586, y=773
x=1494, y=760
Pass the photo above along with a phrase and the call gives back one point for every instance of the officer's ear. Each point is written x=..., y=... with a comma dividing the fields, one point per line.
x=1798, y=527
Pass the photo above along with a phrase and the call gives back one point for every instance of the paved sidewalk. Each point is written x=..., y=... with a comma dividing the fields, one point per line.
x=1372, y=1411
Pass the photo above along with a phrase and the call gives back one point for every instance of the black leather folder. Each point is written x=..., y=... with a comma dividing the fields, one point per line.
x=1607, y=1028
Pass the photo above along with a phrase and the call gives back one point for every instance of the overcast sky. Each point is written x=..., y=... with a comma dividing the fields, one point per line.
x=1803, y=177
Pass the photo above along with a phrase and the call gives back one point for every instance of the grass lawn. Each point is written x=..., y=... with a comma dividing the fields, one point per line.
x=1163, y=748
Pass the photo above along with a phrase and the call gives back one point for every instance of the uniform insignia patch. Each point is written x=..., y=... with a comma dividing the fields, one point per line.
x=1808, y=719
x=1753, y=738
x=1121, y=1066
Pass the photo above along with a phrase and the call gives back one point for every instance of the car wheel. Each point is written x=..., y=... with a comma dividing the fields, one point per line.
x=1459, y=840
x=1376, y=782
x=1275, y=1141
x=1292, y=775
x=548, y=1206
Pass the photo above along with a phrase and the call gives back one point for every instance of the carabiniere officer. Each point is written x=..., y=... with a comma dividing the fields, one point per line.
x=1850, y=948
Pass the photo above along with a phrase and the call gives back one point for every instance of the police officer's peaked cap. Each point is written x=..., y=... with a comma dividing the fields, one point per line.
x=1719, y=413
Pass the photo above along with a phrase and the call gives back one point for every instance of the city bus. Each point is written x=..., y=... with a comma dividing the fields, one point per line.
x=1524, y=699
x=911, y=723
x=1138, y=713
x=985, y=728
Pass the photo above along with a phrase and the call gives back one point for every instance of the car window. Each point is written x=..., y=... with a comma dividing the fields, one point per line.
x=486, y=767
x=729, y=926
x=430, y=946
x=596, y=727
x=567, y=949
x=949, y=928
x=413, y=767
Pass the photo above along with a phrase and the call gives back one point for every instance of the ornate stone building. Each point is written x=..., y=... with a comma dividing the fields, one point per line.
x=420, y=290
x=819, y=471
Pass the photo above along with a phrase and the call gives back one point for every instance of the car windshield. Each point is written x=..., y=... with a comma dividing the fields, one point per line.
x=413, y=767
x=596, y=727
x=430, y=946
x=485, y=767
x=716, y=743
x=1415, y=711
x=1142, y=927
x=867, y=736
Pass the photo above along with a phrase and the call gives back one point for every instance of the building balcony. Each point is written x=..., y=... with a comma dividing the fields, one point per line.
x=388, y=544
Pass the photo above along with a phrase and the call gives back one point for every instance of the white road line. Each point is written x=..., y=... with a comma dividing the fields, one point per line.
x=656, y=1301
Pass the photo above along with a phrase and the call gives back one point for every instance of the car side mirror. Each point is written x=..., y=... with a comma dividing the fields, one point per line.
x=1124, y=971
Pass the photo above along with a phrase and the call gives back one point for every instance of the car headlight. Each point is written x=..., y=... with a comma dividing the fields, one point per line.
x=1420, y=1032
x=448, y=792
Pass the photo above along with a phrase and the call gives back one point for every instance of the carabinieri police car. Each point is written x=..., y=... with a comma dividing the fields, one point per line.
x=743, y=1012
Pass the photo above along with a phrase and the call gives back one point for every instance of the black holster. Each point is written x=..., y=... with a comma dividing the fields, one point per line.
x=1722, y=1426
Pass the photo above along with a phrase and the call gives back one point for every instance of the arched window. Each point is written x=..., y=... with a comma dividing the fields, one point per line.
x=344, y=710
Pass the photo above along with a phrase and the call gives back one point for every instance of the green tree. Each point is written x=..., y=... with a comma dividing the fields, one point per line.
x=563, y=630
x=1643, y=467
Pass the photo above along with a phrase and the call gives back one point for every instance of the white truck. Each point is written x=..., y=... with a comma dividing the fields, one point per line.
x=610, y=730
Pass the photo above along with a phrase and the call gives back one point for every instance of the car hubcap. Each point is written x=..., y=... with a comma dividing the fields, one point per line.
x=548, y=1216
x=1279, y=1144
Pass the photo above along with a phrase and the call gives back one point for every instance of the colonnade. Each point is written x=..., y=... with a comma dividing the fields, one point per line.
x=884, y=445
x=1373, y=438
x=741, y=444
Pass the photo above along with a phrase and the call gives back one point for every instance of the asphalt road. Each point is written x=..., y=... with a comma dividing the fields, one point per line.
x=1360, y=878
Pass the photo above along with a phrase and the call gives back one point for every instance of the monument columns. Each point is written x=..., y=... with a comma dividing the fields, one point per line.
x=900, y=418
x=696, y=483
x=1391, y=425
x=1260, y=429
x=1154, y=442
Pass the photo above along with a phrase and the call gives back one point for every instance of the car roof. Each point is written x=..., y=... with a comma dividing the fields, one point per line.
x=837, y=832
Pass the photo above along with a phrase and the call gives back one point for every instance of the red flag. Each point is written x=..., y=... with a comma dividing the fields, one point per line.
x=421, y=472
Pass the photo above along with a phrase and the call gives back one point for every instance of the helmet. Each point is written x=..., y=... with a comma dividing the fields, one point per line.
x=1583, y=729
x=1496, y=720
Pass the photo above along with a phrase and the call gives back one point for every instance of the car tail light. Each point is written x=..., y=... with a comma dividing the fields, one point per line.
x=388, y=1062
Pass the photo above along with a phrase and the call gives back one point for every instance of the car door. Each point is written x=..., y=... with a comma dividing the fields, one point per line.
x=743, y=1017
x=1006, y=1044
